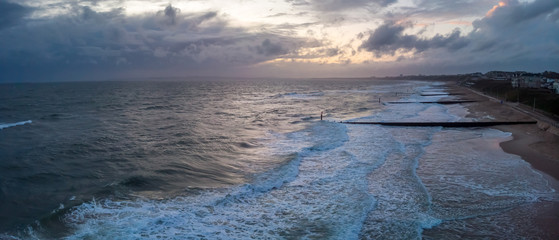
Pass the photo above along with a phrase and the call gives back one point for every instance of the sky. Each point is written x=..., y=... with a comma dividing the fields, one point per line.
x=67, y=40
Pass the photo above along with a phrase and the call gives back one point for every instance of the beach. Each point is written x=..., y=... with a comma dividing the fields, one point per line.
x=535, y=143
x=245, y=159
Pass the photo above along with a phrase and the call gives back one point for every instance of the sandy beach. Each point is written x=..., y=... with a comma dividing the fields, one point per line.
x=534, y=143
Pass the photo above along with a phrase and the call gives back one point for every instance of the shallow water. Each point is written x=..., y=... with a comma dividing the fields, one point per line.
x=223, y=158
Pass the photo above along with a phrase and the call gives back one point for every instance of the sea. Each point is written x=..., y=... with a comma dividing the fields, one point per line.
x=213, y=158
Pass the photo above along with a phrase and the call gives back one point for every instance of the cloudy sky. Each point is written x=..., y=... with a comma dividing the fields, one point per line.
x=45, y=40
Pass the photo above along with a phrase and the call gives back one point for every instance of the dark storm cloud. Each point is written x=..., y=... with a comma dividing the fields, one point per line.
x=11, y=13
x=109, y=42
x=390, y=37
x=515, y=13
x=518, y=27
x=523, y=12
x=516, y=36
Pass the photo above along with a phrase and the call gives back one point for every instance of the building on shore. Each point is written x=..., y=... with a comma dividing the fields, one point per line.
x=531, y=80
x=527, y=80
x=499, y=75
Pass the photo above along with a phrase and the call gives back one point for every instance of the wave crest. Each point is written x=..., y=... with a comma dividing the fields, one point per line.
x=7, y=125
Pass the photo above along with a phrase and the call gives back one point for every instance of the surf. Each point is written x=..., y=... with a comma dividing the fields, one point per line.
x=8, y=125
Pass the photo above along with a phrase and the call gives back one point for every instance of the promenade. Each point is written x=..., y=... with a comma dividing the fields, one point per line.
x=534, y=113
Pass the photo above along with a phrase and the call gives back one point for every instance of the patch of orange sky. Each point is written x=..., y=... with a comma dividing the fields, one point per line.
x=466, y=23
x=501, y=4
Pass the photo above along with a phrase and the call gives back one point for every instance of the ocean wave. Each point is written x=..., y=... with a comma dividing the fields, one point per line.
x=7, y=125
x=297, y=95
x=322, y=180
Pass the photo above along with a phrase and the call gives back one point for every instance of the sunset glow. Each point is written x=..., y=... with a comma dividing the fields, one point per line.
x=490, y=12
x=187, y=37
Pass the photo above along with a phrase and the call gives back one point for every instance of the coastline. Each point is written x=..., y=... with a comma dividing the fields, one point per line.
x=533, y=144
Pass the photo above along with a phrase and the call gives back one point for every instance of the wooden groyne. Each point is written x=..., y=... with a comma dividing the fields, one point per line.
x=444, y=124
x=438, y=102
x=440, y=94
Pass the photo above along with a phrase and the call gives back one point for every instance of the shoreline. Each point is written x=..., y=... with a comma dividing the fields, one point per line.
x=534, y=143
x=536, y=146
x=528, y=143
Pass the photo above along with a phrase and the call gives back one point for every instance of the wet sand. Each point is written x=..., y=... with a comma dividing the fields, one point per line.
x=533, y=143
x=537, y=146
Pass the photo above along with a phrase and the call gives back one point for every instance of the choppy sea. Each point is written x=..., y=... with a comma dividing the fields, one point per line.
x=250, y=159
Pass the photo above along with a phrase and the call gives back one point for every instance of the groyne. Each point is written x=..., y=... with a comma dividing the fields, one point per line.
x=437, y=102
x=444, y=124
x=441, y=94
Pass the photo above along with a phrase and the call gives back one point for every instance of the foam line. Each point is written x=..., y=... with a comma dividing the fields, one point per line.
x=7, y=125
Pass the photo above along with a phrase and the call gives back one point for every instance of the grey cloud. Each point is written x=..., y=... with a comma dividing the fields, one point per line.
x=385, y=38
x=518, y=26
x=453, y=41
x=339, y=5
x=445, y=8
x=288, y=14
x=529, y=11
x=390, y=37
x=11, y=13
x=330, y=52
x=88, y=14
x=268, y=48
x=518, y=36
x=509, y=29
x=109, y=43
x=169, y=14
x=278, y=15
x=516, y=13
x=202, y=18
x=298, y=2
x=554, y=16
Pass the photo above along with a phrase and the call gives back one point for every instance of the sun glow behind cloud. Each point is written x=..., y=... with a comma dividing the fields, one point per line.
x=197, y=36
x=338, y=44
x=499, y=5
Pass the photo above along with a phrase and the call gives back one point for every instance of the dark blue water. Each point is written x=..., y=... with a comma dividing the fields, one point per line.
x=238, y=158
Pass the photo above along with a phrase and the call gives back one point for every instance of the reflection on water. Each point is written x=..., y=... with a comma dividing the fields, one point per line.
x=240, y=159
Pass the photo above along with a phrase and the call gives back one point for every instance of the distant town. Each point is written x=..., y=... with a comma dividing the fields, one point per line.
x=538, y=91
x=521, y=79
x=518, y=79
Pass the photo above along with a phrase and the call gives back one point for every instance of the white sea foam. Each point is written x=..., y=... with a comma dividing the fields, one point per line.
x=468, y=168
x=340, y=182
x=276, y=204
x=322, y=188
x=7, y=125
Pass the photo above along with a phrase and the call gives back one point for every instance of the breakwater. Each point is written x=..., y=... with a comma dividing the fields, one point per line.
x=437, y=102
x=444, y=124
